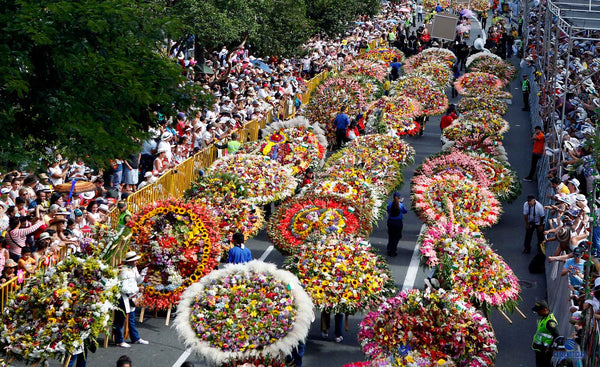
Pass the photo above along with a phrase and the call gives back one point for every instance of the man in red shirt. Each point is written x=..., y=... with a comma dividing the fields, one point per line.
x=448, y=117
x=539, y=141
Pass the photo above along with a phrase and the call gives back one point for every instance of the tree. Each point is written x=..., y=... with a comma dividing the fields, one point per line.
x=334, y=17
x=79, y=76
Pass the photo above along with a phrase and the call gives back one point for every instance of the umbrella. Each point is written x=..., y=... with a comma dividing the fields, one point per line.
x=261, y=65
x=394, y=21
x=404, y=10
x=204, y=69
x=467, y=13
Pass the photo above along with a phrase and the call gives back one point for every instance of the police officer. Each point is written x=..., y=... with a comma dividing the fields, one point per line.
x=547, y=331
x=124, y=216
x=525, y=90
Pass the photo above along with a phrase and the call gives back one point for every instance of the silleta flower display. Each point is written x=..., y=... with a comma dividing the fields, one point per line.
x=244, y=311
x=267, y=179
x=488, y=62
x=492, y=105
x=476, y=123
x=455, y=162
x=398, y=149
x=437, y=71
x=342, y=274
x=431, y=328
x=56, y=311
x=371, y=68
x=480, y=84
x=386, y=54
x=423, y=90
x=178, y=244
x=504, y=181
x=439, y=55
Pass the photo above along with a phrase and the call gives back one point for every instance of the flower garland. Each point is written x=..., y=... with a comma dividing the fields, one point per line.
x=300, y=217
x=480, y=5
x=366, y=67
x=505, y=183
x=267, y=179
x=492, y=105
x=455, y=198
x=56, y=311
x=477, y=123
x=440, y=73
x=480, y=84
x=342, y=274
x=386, y=54
x=178, y=243
x=422, y=89
x=218, y=186
x=431, y=328
x=244, y=311
x=398, y=149
x=357, y=191
x=504, y=70
x=455, y=162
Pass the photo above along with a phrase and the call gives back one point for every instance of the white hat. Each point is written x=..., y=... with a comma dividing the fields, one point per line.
x=596, y=282
x=165, y=136
x=148, y=174
x=575, y=182
x=103, y=207
x=44, y=236
x=131, y=256
x=88, y=195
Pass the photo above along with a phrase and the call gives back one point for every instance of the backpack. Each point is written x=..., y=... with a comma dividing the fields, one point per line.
x=538, y=264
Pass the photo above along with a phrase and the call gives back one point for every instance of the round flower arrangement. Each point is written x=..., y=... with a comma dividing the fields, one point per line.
x=398, y=149
x=300, y=217
x=440, y=55
x=431, y=328
x=480, y=6
x=366, y=67
x=342, y=274
x=478, y=55
x=381, y=166
x=504, y=181
x=455, y=162
x=250, y=147
x=504, y=70
x=372, y=87
x=431, y=4
x=326, y=100
x=480, y=84
x=218, y=186
x=260, y=361
x=55, y=311
x=422, y=89
x=492, y=105
x=480, y=144
x=386, y=54
x=359, y=175
x=178, y=244
x=477, y=123
x=244, y=311
x=356, y=191
x=444, y=235
x=267, y=180
x=440, y=73
x=455, y=198
x=395, y=115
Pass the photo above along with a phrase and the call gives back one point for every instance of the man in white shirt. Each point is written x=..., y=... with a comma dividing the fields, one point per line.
x=533, y=212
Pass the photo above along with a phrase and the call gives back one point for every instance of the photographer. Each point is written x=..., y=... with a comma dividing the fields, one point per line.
x=16, y=235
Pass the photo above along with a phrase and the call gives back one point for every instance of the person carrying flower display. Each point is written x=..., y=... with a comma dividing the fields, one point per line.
x=341, y=122
x=326, y=324
x=239, y=253
x=130, y=278
x=547, y=332
x=395, y=210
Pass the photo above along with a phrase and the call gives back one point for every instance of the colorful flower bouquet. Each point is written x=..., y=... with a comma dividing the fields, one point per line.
x=218, y=186
x=422, y=89
x=366, y=67
x=380, y=165
x=267, y=179
x=259, y=361
x=487, y=62
x=398, y=149
x=480, y=84
x=480, y=6
x=244, y=311
x=446, y=237
x=455, y=162
x=300, y=217
x=55, y=311
x=395, y=115
x=342, y=274
x=439, y=55
x=480, y=144
x=431, y=328
x=492, y=105
x=354, y=190
x=178, y=244
x=504, y=181
x=439, y=72
x=455, y=198
x=430, y=5
x=476, y=123
x=386, y=54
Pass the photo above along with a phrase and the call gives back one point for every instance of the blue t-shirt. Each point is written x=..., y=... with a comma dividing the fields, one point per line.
x=238, y=255
x=574, y=280
x=397, y=218
x=396, y=65
x=342, y=121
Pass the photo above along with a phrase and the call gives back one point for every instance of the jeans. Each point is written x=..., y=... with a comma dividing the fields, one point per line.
x=326, y=322
x=539, y=229
x=394, y=236
x=297, y=354
x=120, y=322
x=525, y=100
x=78, y=360
x=534, y=161
x=340, y=137
x=543, y=359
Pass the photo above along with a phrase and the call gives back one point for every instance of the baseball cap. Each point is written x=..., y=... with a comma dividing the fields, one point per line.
x=540, y=305
x=577, y=251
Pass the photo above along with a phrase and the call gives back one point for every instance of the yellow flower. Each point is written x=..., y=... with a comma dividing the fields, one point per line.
x=410, y=359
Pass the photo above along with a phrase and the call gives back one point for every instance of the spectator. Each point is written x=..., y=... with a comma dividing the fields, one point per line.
x=239, y=253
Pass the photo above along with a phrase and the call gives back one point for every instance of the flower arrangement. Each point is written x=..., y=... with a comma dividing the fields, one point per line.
x=366, y=67
x=480, y=84
x=300, y=217
x=480, y=6
x=455, y=162
x=381, y=166
x=259, y=361
x=250, y=147
x=504, y=181
x=477, y=123
x=398, y=149
x=441, y=56
x=55, y=311
x=431, y=328
x=178, y=243
x=455, y=198
x=267, y=179
x=422, y=89
x=386, y=54
x=373, y=88
x=479, y=144
x=439, y=72
x=357, y=191
x=359, y=175
x=494, y=65
x=342, y=274
x=218, y=186
x=327, y=99
x=492, y=105
x=244, y=312
x=376, y=363
x=445, y=237
x=395, y=115
x=431, y=4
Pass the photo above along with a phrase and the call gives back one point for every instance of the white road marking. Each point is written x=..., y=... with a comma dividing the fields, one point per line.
x=182, y=358
x=413, y=267
x=266, y=253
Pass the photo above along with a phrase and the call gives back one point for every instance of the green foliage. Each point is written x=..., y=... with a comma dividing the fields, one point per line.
x=80, y=75
x=336, y=16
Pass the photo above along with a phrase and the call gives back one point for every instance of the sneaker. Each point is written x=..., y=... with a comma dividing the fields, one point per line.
x=339, y=339
x=527, y=179
x=125, y=345
x=141, y=341
x=324, y=335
